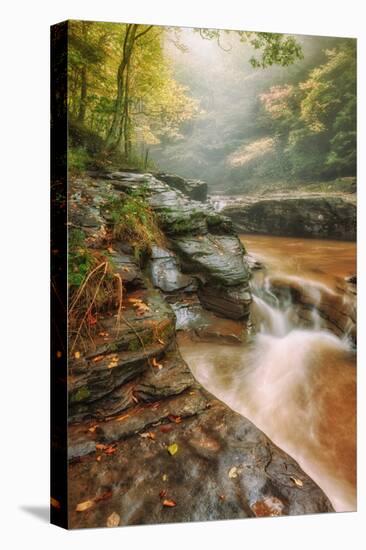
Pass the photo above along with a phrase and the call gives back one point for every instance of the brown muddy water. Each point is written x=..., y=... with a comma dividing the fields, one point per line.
x=298, y=385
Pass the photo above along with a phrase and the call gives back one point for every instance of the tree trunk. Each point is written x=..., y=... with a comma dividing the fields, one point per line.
x=83, y=95
x=84, y=80
x=119, y=127
x=117, y=122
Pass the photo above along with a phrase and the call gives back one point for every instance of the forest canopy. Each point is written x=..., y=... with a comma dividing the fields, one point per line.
x=225, y=106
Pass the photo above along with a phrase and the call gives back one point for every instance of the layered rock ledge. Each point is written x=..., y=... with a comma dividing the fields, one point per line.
x=306, y=215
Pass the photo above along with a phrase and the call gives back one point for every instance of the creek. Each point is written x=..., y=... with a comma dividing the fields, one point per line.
x=295, y=381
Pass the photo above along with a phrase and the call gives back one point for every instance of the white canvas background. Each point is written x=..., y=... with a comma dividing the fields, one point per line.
x=24, y=298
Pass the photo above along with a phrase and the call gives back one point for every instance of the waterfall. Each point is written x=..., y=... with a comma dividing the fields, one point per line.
x=296, y=382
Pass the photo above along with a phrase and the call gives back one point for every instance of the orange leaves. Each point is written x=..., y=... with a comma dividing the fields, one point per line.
x=111, y=450
x=91, y=319
x=106, y=449
x=270, y=506
x=113, y=520
x=98, y=358
x=166, y=428
x=174, y=418
x=169, y=503
x=87, y=504
x=156, y=364
x=82, y=506
x=55, y=503
x=140, y=307
x=101, y=447
x=113, y=361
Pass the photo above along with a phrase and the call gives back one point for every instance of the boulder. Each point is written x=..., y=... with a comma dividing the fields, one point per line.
x=296, y=216
x=166, y=274
x=208, y=463
x=194, y=189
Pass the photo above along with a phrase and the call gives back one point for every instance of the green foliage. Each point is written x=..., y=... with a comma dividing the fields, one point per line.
x=77, y=160
x=134, y=221
x=80, y=259
x=317, y=118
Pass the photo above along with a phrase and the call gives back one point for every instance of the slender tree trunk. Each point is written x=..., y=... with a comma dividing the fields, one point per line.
x=84, y=81
x=118, y=129
x=83, y=94
x=117, y=122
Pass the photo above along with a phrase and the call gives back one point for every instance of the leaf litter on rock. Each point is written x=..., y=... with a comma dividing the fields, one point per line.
x=113, y=520
x=173, y=449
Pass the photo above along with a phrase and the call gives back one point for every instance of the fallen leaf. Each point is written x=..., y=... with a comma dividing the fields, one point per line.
x=91, y=320
x=113, y=520
x=297, y=481
x=166, y=428
x=270, y=506
x=165, y=477
x=113, y=362
x=55, y=503
x=173, y=449
x=176, y=419
x=101, y=447
x=233, y=472
x=156, y=364
x=110, y=450
x=120, y=418
x=169, y=502
x=98, y=358
x=148, y=435
x=82, y=506
x=77, y=354
x=99, y=458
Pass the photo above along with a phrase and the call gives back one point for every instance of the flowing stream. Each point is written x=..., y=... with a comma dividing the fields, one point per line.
x=296, y=383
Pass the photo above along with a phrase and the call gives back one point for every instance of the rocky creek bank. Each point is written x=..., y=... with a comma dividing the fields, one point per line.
x=147, y=443
x=318, y=215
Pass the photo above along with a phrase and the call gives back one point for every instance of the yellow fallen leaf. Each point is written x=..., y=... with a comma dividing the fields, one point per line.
x=77, y=354
x=297, y=481
x=165, y=477
x=82, y=506
x=233, y=472
x=113, y=520
x=173, y=449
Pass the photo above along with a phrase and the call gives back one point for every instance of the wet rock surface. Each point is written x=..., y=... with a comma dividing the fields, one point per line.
x=336, y=309
x=147, y=444
x=194, y=189
x=295, y=216
x=219, y=466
